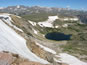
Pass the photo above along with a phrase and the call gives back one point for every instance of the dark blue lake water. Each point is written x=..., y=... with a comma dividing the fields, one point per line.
x=58, y=36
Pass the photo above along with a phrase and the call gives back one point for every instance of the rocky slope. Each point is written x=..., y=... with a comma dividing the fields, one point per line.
x=7, y=58
x=27, y=39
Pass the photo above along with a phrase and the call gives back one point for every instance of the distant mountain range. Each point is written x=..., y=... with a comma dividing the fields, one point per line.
x=19, y=9
x=34, y=9
x=27, y=10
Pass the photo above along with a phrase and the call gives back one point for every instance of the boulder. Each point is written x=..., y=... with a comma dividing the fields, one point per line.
x=6, y=58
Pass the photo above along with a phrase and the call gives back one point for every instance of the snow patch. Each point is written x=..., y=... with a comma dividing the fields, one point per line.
x=18, y=16
x=65, y=25
x=71, y=19
x=33, y=23
x=49, y=22
x=8, y=20
x=35, y=31
x=6, y=16
x=43, y=35
x=17, y=28
x=46, y=48
x=12, y=42
x=52, y=18
x=56, y=26
x=74, y=19
x=69, y=59
x=18, y=6
x=45, y=24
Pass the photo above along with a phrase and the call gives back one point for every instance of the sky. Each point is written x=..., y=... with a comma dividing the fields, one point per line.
x=73, y=4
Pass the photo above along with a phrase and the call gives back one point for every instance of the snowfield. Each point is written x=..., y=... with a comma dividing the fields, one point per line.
x=49, y=22
x=8, y=20
x=12, y=42
x=70, y=19
x=69, y=59
x=35, y=31
x=63, y=57
x=31, y=22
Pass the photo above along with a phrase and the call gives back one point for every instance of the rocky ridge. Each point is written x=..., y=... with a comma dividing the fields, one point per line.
x=7, y=58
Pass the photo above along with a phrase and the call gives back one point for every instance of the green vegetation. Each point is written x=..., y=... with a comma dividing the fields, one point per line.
x=58, y=22
x=37, y=17
x=76, y=48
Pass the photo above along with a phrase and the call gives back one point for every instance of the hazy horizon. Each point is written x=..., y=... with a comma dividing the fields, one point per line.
x=72, y=4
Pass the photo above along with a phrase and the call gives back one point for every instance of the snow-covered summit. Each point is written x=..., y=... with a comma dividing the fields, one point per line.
x=18, y=6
